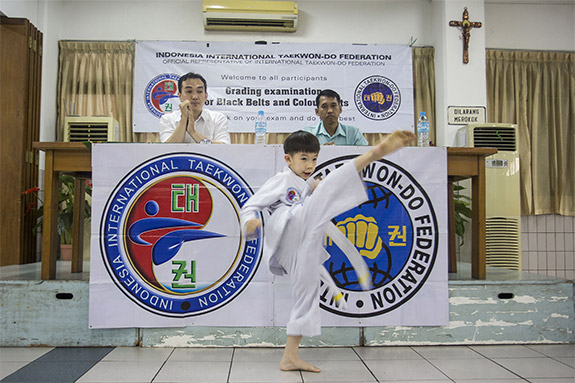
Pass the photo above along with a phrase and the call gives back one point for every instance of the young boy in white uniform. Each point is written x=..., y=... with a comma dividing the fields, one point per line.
x=294, y=232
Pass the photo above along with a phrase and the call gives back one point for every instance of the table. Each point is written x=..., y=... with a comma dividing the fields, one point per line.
x=75, y=158
x=465, y=163
x=63, y=157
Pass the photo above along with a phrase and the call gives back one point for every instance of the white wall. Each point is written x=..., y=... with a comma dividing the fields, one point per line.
x=511, y=24
x=520, y=25
x=320, y=21
x=531, y=26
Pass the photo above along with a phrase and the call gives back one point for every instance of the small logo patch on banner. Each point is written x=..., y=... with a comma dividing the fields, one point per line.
x=377, y=97
x=161, y=94
x=171, y=238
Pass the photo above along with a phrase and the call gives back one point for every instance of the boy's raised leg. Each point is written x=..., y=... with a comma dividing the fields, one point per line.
x=291, y=361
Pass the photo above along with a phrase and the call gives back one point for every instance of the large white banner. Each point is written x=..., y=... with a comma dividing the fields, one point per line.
x=374, y=81
x=167, y=249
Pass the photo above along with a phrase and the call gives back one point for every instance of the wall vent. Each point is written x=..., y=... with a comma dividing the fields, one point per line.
x=93, y=129
x=502, y=138
x=503, y=242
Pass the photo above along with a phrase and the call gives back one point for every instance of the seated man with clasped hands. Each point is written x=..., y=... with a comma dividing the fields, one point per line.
x=193, y=123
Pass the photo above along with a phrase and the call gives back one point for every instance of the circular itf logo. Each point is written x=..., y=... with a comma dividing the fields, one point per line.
x=171, y=238
x=160, y=93
x=377, y=98
x=395, y=232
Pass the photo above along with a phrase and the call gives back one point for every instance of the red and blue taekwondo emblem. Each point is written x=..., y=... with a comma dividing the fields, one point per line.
x=171, y=238
x=292, y=195
x=160, y=93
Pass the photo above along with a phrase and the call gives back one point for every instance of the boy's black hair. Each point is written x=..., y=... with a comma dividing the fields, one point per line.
x=301, y=142
x=327, y=93
x=188, y=76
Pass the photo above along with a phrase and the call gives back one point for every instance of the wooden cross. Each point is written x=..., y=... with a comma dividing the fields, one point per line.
x=466, y=27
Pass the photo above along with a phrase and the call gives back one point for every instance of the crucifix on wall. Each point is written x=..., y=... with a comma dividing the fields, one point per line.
x=466, y=27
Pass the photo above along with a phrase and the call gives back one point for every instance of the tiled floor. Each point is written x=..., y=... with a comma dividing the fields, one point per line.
x=438, y=364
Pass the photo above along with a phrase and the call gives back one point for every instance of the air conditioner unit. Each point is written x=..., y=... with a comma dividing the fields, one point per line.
x=94, y=129
x=502, y=191
x=237, y=15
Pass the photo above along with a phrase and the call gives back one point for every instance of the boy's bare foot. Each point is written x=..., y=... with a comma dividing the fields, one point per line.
x=389, y=144
x=397, y=139
x=296, y=364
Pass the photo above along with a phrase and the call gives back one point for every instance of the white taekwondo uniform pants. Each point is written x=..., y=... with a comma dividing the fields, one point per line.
x=301, y=251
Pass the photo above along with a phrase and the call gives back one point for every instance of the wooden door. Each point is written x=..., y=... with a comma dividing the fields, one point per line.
x=20, y=84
